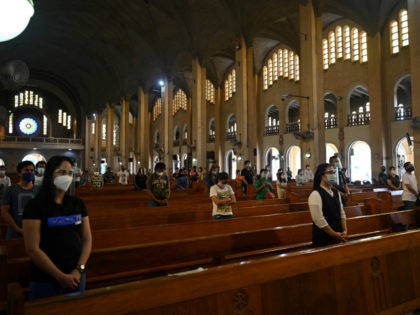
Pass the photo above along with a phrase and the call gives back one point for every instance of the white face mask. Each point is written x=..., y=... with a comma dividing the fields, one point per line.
x=159, y=173
x=63, y=182
x=40, y=170
x=222, y=186
x=331, y=179
x=2, y=173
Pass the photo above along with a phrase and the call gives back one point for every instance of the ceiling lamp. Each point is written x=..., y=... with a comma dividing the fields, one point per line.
x=14, y=17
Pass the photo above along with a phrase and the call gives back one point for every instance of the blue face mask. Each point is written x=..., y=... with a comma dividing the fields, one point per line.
x=28, y=177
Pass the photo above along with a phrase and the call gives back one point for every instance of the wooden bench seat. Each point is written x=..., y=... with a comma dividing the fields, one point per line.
x=374, y=276
x=137, y=261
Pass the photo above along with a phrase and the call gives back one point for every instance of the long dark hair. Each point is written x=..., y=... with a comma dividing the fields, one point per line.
x=320, y=171
x=48, y=189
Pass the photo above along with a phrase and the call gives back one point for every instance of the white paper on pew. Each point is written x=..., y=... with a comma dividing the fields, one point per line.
x=188, y=272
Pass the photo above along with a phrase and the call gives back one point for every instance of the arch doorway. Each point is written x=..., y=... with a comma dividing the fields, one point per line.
x=360, y=162
x=404, y=154
x=34, y=158
x=272, y=158
x=330, y=150
x=294, y=161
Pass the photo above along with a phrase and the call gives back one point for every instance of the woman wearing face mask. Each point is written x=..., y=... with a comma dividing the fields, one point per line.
x=223, y=197
x=39, y=173
x=57, y=234
x=329, y=220
x=262, y=185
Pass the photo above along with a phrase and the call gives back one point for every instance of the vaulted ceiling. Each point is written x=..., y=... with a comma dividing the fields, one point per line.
x=99, y=50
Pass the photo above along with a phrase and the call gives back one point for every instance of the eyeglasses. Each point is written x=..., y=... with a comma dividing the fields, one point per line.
x=64, y=172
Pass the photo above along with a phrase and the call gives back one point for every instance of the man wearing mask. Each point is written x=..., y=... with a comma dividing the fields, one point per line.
x=383, y=176
x=410, y=188
x=16, y=197
x=4, y=181
x=39, y=173
x=340, y=184
x=248, y=173
x=158, y=187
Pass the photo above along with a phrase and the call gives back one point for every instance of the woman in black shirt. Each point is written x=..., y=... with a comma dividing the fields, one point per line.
x=57, y=234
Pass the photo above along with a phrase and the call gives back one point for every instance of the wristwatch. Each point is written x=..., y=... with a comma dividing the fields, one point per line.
x=81, y=268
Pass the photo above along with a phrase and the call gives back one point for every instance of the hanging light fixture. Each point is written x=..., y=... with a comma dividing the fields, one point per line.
x=14, y=17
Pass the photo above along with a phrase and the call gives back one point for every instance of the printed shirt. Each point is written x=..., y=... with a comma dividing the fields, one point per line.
x=159, y=186
x=227, y=192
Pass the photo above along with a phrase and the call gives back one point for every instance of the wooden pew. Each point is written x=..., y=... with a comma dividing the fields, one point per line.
x=125, y=263
x=380, y=275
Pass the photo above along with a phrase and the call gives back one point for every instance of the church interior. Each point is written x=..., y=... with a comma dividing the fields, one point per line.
x=280, y=84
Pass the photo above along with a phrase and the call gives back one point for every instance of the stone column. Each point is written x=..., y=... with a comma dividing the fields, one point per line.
x=241, y=99
x=98, y=142
x=110, y=136
x=379, y=127
x=124, y=131
x=167, y=121
x=199, y=113
x=144, y=129
x=218, y=126
x=414, y=33
x=311, y=84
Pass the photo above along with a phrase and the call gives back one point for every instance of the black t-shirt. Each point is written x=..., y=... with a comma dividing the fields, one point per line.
x=61, y=232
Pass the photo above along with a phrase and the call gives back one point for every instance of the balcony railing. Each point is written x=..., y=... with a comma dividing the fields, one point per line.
x=20, y=139
x=292, y=127
x=211, y=139
x=271, y=130
x=402, y=113
x=231, y=135
x=330, y=123
x=358, y=119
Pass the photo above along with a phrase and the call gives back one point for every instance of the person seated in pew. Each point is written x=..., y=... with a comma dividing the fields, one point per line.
x=263, y=186
x=222, y=196
x=327, y=212
x=158, y=186
x=57, y=234
x=393, y=182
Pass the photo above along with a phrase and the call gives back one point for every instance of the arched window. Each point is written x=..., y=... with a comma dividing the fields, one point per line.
x=325, y=59
x=212, y=131
x=331, y=44
x=347, y=43
x=210, y=92
x=231, y=128
x=265, y=78
x=293, y=117
x=355, y=44
x=230, y=84
x=403, y=19
x=395, y=40
x=359, y=107
x=272, y=122
x=179, y=101
x=363, y=47
x=339, y=41
x=330, y=111
x=270, y=72
x=360, y=162
x=402, y=99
